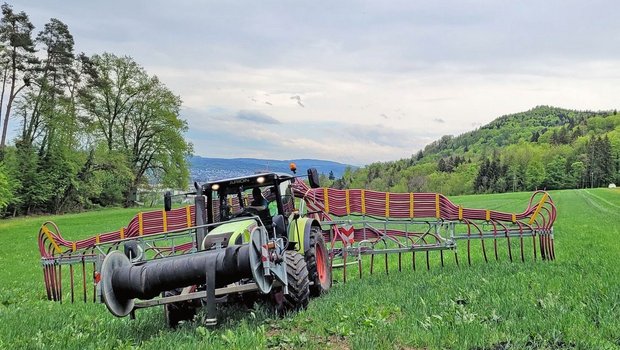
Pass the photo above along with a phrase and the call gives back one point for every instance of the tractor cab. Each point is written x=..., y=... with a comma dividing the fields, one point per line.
x=238, y=206
x=267, y=196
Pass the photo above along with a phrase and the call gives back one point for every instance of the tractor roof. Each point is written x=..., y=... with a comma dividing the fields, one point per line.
x=261, y=179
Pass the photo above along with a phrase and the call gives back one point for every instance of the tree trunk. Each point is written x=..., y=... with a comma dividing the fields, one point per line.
x=6, y=70
x=7, y=115
x=132, y=193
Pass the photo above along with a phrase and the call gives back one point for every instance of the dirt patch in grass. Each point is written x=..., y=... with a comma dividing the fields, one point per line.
x=337, y=342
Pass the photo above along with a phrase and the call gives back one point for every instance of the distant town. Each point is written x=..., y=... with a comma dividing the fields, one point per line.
x=207, y=169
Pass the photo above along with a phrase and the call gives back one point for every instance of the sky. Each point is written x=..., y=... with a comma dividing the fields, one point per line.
x=353, y=81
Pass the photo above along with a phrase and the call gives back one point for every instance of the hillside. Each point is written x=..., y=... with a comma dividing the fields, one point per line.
x=545, y=147
x=204, y=169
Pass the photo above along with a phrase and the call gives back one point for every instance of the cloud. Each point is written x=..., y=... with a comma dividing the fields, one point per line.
x=298, y=99
x=366, y=95
x=257, y=117
x=348, y=106
x=344, y=35
x=343, y=141
x=380, y=135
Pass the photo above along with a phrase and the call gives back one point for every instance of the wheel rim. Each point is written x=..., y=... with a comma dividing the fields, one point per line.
x=321, y=267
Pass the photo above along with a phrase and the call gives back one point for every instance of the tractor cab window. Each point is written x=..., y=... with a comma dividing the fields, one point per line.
x=272, y=203
x=215, y=211
x=288, y=201
x=258, y=201
x=230, y=202
x=264, y=196
x=255, y=197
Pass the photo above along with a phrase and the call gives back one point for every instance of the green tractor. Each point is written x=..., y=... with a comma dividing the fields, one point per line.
x=237, y=207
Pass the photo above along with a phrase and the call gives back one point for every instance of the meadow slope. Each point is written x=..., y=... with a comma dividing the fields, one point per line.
x=570, y=303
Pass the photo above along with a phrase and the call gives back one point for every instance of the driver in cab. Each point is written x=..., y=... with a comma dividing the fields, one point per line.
x=257, y=198
x=259, y=201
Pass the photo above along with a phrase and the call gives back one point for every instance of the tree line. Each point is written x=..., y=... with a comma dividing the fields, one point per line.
x=90, y=130
x=544, y=148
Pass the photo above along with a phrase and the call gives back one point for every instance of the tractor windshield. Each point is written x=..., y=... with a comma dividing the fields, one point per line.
x=232, y=202
x=265, y=196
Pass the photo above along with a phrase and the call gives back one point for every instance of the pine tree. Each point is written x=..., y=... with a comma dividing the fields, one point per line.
x=420, y=155
x=16, y=35
x=606, y=161
x=441, y=165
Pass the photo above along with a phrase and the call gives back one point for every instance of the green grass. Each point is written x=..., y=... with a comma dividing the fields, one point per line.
x=573, y=302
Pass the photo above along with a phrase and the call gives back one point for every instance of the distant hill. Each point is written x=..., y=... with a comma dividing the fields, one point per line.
x=543, y=148
x=520, y=127
x=206, y=169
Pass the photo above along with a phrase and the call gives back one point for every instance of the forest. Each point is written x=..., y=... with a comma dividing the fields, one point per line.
x=89, y=130
x=543, y=148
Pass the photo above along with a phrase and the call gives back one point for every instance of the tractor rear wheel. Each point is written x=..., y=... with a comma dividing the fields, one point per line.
x=177, y=312
x=317, y=259
x=298, y=285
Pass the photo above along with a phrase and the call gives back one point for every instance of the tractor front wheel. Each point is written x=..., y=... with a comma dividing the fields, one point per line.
x=317, y=258
x=177, y=312
x=298, y=285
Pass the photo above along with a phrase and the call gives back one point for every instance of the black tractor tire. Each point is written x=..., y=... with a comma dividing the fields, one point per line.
x=317, y=260
x=177, y=312
x=298, y=286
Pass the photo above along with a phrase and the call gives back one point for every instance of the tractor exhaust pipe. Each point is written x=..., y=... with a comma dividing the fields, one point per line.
x=122, y=282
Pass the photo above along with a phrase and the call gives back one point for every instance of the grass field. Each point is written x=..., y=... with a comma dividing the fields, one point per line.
x=570, y=303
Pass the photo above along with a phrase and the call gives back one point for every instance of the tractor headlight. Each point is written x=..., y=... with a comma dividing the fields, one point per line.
x=260, y=179
x=215, y=187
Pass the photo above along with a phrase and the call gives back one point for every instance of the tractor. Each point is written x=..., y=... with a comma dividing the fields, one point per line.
x=251, y=243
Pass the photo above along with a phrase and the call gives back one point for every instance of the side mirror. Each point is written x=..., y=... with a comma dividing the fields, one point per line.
x=313, y=178
x=198, y=188
x=167, y=201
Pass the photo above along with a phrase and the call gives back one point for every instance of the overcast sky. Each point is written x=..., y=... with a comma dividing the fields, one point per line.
x=353, y=81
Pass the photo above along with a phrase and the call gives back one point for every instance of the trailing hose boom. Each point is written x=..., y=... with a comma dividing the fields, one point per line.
x=273, y=235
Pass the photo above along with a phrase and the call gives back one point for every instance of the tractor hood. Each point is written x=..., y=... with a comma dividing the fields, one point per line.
x=238, y=232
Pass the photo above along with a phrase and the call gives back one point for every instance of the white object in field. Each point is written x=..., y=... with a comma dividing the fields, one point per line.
x=612, y=185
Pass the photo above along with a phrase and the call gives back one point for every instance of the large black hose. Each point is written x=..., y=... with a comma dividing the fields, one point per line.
x=147, y=280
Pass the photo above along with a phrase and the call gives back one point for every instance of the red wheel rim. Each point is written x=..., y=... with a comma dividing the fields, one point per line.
x=320, y=263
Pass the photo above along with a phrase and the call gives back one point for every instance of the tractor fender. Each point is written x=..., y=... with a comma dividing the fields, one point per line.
x=304, y=225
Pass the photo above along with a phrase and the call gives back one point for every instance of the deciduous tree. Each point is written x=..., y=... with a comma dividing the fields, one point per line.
x=138, y=117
